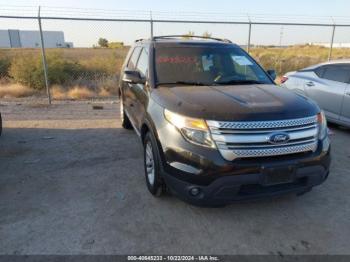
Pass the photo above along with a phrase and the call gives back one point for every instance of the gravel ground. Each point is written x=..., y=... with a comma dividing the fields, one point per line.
x=71, y=182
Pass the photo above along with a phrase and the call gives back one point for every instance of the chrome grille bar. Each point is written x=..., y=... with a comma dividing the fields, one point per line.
x=215, y=130
x=263, y=124
x=227, y=154
x=248, y=146
x=261, y=138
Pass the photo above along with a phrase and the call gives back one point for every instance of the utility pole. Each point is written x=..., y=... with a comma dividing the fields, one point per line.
x=151, y=24
x=44, y=58
x=249, y=34
x=281, y=36
x=331, y=45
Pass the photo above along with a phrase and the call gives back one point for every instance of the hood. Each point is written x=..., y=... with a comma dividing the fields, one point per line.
x=235, y=103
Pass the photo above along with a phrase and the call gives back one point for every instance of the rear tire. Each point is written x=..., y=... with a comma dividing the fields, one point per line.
x=154, y=180
x=126, y=124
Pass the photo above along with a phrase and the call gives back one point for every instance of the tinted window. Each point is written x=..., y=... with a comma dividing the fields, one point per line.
x=210, y=65
x=339, y=73
x=134, y=57
x=142, y=64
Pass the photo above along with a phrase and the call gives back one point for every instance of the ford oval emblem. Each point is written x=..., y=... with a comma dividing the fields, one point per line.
x=279, y=138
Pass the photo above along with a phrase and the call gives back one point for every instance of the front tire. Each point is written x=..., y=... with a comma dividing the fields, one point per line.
x=154, y=181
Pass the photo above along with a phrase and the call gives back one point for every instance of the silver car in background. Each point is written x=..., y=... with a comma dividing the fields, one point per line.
x=328, y=84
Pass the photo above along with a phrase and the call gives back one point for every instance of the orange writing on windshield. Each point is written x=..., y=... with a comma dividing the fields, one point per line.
x=177, y=59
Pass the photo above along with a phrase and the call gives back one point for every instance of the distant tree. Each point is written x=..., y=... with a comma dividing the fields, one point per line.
x=103, y=42
x=206, y=34
x=115, y=44
x=188, y=35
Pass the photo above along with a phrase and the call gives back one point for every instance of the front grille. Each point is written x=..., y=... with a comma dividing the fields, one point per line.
x=248, y=139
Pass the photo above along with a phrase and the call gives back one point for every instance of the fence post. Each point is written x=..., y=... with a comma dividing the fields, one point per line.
x=249, y=36
x=43, y=54
x=331, y=46
x=151, y=25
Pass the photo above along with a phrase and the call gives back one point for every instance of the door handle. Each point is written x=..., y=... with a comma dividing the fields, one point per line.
x=347, y=94
x=310, y=83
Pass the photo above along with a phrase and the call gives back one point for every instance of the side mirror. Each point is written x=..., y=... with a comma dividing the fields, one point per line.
x=272, y=74
x=133, y=77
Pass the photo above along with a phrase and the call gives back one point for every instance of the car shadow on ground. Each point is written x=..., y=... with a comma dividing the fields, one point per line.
x=337, y=127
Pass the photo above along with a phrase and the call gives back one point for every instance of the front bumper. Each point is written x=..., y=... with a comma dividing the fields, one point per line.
x=186, y=166
x=228, y=189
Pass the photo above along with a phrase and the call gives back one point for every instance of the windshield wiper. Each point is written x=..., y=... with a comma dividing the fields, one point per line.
x=239, y=82
x=190, y=83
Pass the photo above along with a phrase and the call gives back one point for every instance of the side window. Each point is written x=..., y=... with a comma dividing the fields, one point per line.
x=142, y=64
x=339, y=73
x=133, y=58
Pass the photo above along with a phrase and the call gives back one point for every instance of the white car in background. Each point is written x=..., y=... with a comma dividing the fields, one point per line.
x=328, y=84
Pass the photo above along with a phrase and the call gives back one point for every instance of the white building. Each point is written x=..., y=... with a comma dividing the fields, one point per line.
x=31, y=39
x=335, y=45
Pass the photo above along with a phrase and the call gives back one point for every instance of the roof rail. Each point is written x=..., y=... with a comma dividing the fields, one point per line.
x=191, y=36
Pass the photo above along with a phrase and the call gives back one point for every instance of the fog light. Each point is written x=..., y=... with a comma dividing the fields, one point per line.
x=195, y=191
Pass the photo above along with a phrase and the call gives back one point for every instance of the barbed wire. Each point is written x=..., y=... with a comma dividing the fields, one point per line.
x=79, y=12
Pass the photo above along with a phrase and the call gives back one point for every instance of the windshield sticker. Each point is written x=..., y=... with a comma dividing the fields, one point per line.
x=177, y=59
x=242, y=60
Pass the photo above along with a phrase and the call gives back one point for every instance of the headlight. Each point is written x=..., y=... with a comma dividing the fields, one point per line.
x=194, y=130
x=322, y=123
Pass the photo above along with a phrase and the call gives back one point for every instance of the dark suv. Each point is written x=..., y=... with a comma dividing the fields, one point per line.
x=215, y=127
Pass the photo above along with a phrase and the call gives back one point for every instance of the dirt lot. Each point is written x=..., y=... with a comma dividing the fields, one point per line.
x=71, y=182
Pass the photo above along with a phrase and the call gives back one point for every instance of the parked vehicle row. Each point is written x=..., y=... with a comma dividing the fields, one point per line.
x=215, y=127
x=328, y=84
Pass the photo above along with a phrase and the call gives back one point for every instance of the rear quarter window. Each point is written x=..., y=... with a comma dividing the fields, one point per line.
x=319, y=71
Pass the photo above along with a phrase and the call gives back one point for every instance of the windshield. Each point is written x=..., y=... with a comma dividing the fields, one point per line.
x=198, y=65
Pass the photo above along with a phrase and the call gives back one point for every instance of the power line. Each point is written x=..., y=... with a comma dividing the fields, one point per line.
x=59, y=10
x=54, y=12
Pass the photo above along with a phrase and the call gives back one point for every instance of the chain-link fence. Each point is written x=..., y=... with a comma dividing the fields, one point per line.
x=81, y=56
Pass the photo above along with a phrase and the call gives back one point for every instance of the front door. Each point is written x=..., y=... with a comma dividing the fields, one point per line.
x=345, y=115
x=139, y=90
x=128, y=93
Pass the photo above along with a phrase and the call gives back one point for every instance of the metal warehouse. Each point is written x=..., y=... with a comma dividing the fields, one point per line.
x=31, y=39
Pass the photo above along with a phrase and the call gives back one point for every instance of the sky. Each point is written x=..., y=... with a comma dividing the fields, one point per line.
x=86, y=33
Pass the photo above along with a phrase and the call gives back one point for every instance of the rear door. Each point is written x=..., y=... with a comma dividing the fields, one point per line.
x=328, y=90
